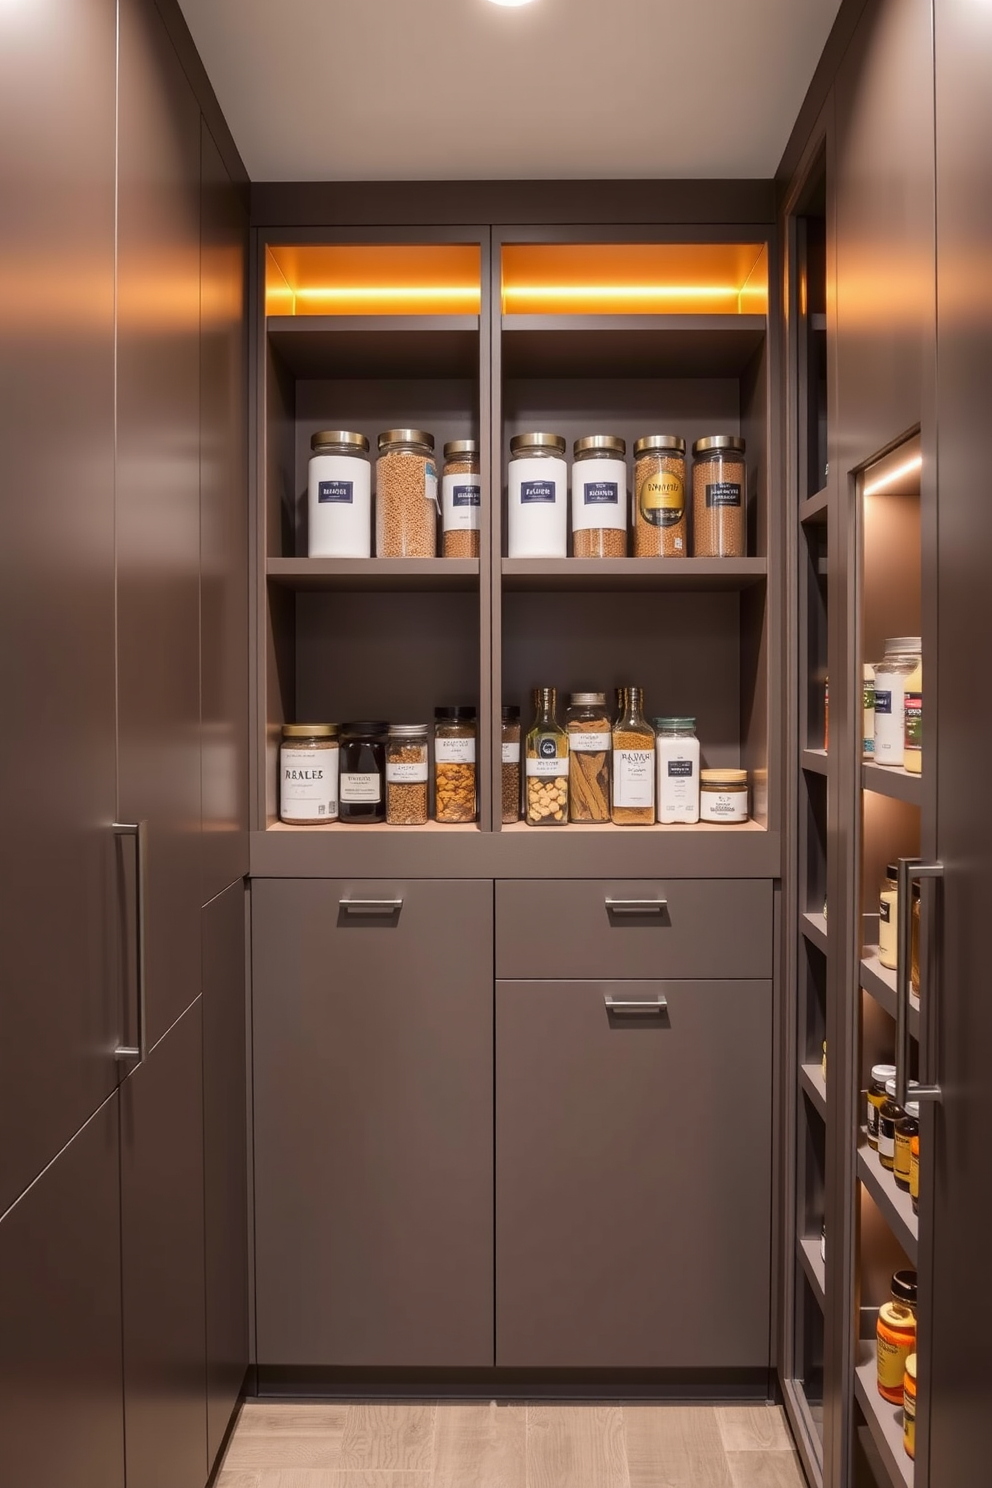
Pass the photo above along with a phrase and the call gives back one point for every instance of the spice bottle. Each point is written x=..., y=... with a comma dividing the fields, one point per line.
x=461, y=499
x=406, y=774
x=511, y=765
x=339, y=496
x=895, y=1336
x=406, y=495
x=888, y=915
x=660, y=524
x=913, y=721
x=868, y=712
x=633, y=764
x=537, y=497
x=308, y=773
x=880, y=1073
x=589, y=737
x=599, y=497
x=547, y=764
x=677, y=758
x=454, y=764
x=719, y=497
x=902, y=654
x=907, y=1127
x=723, y=796
x=909, y=1407
x=363, y=772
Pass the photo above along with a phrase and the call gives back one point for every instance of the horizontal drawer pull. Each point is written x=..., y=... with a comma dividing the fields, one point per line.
x=635, y=1004
x=637, y=906
x=371, y=906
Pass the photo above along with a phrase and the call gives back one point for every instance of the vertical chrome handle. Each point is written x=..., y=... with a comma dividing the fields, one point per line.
x=909, y=870
x=139, y=831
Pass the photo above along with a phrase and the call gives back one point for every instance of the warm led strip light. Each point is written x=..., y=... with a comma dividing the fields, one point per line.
x=469, y=293
x=884, y=481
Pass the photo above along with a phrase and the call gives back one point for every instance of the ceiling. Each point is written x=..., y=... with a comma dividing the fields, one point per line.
x=346, y=90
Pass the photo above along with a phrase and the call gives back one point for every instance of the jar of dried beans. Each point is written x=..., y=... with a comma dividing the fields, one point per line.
x=406, y=495
x=308, y=773
x=339, y=495
x=406, y=774
x=599, y=497
x=454, y=764
x=363, y=770
x=537, y=497
x=547, y=764
x=719, y=497
x=511, y=764
x=660, y=526
x=588, y=726
x=461, y=499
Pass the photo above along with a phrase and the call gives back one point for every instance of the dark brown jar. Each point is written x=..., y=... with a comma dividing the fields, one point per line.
x=362, y=786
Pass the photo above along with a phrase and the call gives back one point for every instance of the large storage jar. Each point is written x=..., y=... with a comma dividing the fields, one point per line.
x=537, y=497
x=406, y=495
x=461, y=499
x=599, y=497
x=660, y=524
x=339, y=495
x=719, y=497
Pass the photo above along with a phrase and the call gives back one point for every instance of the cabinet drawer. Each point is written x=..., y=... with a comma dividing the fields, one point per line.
x=641, y=928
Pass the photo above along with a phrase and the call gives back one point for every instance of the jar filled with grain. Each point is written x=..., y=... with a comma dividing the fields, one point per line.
x=588, y=726
x=406, y=774
x=363, y=772
x=511, y=764
x=547, y=763
x=719, y=497
x=660, y=522
x=599, y=497
x=461, y=499
x=633, y=764
x=339, y=495
x=454, y=764
x=537, y=497
x=308, y=773
x=406, y=495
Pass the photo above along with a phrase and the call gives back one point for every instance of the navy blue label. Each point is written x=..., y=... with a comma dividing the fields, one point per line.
x=600, y=493
x=680, y=767
x=723, y=493
x=465, y=495
x=547, y=748
x=538, y=491
x=338, y=491
x=883, y=701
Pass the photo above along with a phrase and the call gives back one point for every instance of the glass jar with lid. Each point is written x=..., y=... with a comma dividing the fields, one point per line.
x=880, y=1075
x=907, y=1127
x=599, y=497
x=888, y=915
x=339, y=495
x=461, y=499
x=719, y=497
x=510, y=740
x=537, y=497
x=677, y=753
x=363, y=771
x=406, y=507
x=547, y=763
x=723, y=796
x=889, y=1112
x=454, y=764
x=407, y=752
x=660, y=522
x=587, y=724
x=902, y=655
x=308, y=773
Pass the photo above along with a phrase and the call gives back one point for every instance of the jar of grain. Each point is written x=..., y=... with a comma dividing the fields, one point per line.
x=719, y=497
x=454, y=764
x=902, y=657
x=537, y=497
x=677, y=751
x=723, y=796
x=511, y=765
x=308, y=773
x=339, y=495
x=406, y=774
x=660, y=524
x=587, y=724
x=599, y=497
x=406, y=495
x=547, y=764
x=633, y=764
x=461, y=499
x=363, y=772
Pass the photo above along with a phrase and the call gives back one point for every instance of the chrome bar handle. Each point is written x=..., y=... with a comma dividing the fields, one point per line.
x=908, y=871
x=635, y=1005
x=370, y=906
x=139, y=831
x=636, y=906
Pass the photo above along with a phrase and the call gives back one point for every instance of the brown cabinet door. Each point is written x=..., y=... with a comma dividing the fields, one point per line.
x=61, y=1421
x=162, y=1245
x=633, y=1175
x=373, y=1060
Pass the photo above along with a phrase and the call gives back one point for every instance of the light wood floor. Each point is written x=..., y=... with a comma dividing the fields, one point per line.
x=387, y=1445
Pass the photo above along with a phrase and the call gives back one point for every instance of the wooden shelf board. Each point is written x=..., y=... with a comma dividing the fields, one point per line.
x=815, y=760
x=374, y=575
x=383, y=346
x=814, y=510
x=383, y=828
x=705, y=829
x=892, y=781
x=883, y=1420
x=814, y=927
x=699, y=575
x=880, y=983
x=629, y=345
x=812, y=1081
x=894, y=1203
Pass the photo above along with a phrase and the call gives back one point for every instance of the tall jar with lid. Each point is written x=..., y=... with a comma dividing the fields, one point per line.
x=339, y=495
x=454, y=764
x=407, y=753
x=677, y=751
x=719, y=497
x=660, y=522
x=363, y=772
x=902, y=655
x=510, y=742
x=537, y=497
x=633, y=764
x=599, y=497
x=406, y=506
x=589, y=738
x=308, y=773
x=547, y=763
x=461, y=499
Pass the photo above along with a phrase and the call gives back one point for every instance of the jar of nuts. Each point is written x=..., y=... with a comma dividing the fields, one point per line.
x=719, y=497
x=406, y=495
x=461, y=499
x=511, y=764
x=660, y=526
x=406, y=774
x=547, y=764
x=454, y=764
x=599, y=497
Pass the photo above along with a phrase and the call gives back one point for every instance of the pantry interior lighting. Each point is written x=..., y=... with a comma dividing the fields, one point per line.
x=373, y=279
x=893, y=476
x=634, y=278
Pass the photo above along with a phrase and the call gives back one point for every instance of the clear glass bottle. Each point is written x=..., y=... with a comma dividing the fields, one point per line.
x=406, y=507
x=599, y=497
x=407, y=749
x=677, y=752
x=902, y=655
x=454, y=764
x=589, y=740
x=633, y=764
x=719, y=497
x=511, y=764
x=547, y=764
x=461, y=499
x=888, y=914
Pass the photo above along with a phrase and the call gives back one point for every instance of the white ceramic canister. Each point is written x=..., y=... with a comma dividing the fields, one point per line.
x=339, y=495
x=902, y=653
x=537, y=497
x=677, y=755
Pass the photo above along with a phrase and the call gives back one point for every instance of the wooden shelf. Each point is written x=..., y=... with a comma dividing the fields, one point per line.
x=629, y=345
x=892, y=781
x=814, y=510
x=894, y=1203
x=884, y=1421
x=814, y=927
x=808, y=1248
x=374, y=575
x=815, y=760
x=812, y=1081
x=699, y=575
x=880, y=983
x=383, y=346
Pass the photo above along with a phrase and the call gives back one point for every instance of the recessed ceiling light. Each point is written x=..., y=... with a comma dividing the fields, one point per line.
x=511, y=2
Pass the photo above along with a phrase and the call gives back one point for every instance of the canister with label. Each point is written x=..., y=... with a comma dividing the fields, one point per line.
x=537, y=497
x=723, y=796
x=902, y=655
x=599, y=497
x=719, y=497
x=363, y=772
x=588, y=726
x=308, y=773
x=660, y=522
x=633, y=764
x=406, y=774
x=339, y=495
x=461, y=499
x=406, y=504
x=455, y=730
x=677, y=755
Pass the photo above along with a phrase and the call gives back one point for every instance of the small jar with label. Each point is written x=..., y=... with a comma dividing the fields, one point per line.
x=719, y=497
x=890, y=1113
x=588, y=727
x=407, y=750
x=406, y=506
x=633, y=764
x=913, y=721
x=363, y=772
x=909, y=1407
x=902, y=656
x=537, y=497
x=677, y=756
x=888, y=915
x=599, y=497
x=546, y=764
x=454, y=764
x=868, y=713
x=723, y=796
x=880, y=1074
x=339, y=495
x=895, y=1336
x=511, y=764
x=308, y=774
x=660, y=521
x=907, y=1127
x=461, y=499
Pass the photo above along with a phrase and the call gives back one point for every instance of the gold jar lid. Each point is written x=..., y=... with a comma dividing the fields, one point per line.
x=419, y=437
x=554, y=443
x=664, y=442
x=612, y=444
x=724, y=778
x=346, y=437
x=733, y=443
x=309, y=730
x=456, y=447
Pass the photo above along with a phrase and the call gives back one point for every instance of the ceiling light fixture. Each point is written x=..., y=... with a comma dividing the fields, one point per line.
x=511, y=2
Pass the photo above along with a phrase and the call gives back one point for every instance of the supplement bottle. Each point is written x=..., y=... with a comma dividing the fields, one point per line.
x=895, y=1340
x=907, y=1127
x=537, y=497
x=902, y=655
x=909, y=1407
x=888, y=916
x=868, y=711
x=599, y=497
x=677, y=758
x=880, y=1074
x=339, y=496
x=913, y=721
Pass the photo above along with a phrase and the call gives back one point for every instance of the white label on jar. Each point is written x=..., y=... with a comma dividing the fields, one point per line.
x=406, y=772
x=599, y=495
x=511, y=753
x=727, y=806
x=886, y=1139
x=549, y=768
x=678, y=781
x=872, y=1124
x=537, y=509
x=890, y=721
x=339, y=507
x=361, y=788
x=308, y=784
x=633, y=777
x=430, y=482
x=588, y=743
x=461, y=498
x=455, y=751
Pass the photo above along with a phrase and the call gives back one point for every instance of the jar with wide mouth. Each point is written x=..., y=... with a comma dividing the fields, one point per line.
x=537, y=497
x=510, y=739
x=902, y=657
x=406, y=505
x=661, y=528
x=719, y=497
x=363, y=771
x=339, y=495
x=407, y=757
x=455, y=731
x=308, y=774
x=677, y=753
x=587, y=724
x=599, y=497
x=461, y=499
x=723, y=796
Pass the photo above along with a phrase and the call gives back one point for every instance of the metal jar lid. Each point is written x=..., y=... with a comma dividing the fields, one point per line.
x=587, y=700
x=365, y=728
x=419, y=437
x=716, y=442
x=347, y=437
x=456, y=447
x=612, y=444
x=511, y=713
x=407, y=730
x=723, y=777
x=309, y=730
x=454, y=714
x=904, y=1287
x=554, y=443
x=663, y=442
x=674, y=723
x=903, y=646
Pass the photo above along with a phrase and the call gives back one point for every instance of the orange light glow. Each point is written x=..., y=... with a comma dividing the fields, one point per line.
x=892, y=477
x=635, y=278
x=374, y=279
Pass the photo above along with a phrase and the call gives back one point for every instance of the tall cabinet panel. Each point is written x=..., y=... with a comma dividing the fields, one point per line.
x=158, y=497
x=57, y=783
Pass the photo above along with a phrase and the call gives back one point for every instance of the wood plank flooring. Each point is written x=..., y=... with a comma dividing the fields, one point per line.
x=383, y=1444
